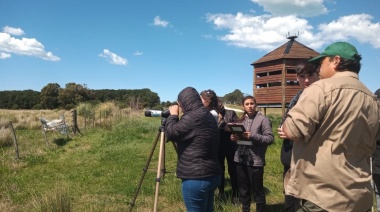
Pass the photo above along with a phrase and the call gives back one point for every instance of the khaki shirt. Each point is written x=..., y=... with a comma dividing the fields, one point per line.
x=336, y=123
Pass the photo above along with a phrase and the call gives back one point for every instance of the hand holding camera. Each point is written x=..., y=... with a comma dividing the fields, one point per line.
x=174, y=110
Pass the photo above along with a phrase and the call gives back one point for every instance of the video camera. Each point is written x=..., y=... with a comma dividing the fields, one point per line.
x=157, y=113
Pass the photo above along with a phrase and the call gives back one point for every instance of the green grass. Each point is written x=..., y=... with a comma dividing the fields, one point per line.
x=101, y=169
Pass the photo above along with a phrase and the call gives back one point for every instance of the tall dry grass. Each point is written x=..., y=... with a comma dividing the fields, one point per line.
x=5, y=136
x=103, y=114
x=29, y=119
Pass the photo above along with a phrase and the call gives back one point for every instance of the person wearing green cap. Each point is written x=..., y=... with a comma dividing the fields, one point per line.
x=334, y=125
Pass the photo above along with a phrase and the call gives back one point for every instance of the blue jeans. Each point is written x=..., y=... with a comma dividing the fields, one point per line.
x=198, y=194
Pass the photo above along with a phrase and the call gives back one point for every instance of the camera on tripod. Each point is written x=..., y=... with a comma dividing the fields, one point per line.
x=161, y=170
x=157, y=113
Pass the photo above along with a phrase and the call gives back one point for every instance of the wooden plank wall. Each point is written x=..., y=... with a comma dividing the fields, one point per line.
x=273, y=95
x=269, y=94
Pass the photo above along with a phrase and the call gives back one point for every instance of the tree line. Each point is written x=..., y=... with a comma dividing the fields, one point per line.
x=52, y=96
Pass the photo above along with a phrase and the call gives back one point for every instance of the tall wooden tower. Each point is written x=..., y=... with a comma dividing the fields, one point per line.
x=274, y=75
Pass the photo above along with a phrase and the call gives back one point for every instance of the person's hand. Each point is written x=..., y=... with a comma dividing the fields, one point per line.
x=174, y=110
x=247, y=135
x=281, y=133
x=234, y=137
x=227, y=129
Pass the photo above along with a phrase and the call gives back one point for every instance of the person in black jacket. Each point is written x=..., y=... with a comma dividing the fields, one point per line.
x=227, y=150
x=226, y=147
x=306, y=75
x=197, y=137
x=376, y=165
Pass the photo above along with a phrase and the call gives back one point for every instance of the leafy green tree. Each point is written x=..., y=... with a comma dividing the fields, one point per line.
x=73, y=94
x=167, y=104
x=25, y=99
x=234, y=98
x=5, y=99
x=143, y=98
x=49, y=96
x=149, y=98
x=28, y=99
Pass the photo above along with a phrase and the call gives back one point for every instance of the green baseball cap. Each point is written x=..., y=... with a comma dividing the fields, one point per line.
x=343, y=49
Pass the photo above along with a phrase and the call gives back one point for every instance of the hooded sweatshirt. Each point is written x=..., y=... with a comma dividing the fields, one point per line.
x=197, y=137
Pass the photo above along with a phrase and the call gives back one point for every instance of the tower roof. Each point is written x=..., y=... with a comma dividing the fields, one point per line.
x=290, y=50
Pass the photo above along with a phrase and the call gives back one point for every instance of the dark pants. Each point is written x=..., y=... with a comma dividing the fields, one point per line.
x=289, y=200
x=231, y=166
x=251, y=179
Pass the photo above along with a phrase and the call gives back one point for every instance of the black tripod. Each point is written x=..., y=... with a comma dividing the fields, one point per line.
x=160, y=167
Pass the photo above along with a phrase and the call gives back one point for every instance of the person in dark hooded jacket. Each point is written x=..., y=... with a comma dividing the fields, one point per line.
x=197, y=137
x=226, y=147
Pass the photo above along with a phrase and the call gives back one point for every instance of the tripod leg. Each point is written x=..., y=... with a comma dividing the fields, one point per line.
x=162, y=150
x=160, y=168
x=144, y=171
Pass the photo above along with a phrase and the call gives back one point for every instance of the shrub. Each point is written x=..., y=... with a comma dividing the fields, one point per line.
x=109, y=108
x=86, y=110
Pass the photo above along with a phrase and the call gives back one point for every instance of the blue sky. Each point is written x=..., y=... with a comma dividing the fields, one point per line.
x=168, y=45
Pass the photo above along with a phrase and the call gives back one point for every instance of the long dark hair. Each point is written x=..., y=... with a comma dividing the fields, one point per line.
x=212, y=99
x=241, y=119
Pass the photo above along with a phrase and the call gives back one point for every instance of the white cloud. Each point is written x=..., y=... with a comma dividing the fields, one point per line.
x=158, y=22
x=258, y=32
x=267, y=32
x=305, y=8
x=24, y=46
x=113, y=58
x=138, y=53
x=4, y=55
x=356, y=26
x=13, y=31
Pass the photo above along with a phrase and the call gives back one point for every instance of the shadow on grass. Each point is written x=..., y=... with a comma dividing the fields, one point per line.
x=62, y=141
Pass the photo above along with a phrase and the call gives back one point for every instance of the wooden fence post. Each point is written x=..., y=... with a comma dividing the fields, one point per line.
x=100, y=117
x=14, y=139
x=75, y=122
x=44, y=132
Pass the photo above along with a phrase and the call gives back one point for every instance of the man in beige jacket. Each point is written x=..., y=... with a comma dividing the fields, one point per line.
x=334, y=126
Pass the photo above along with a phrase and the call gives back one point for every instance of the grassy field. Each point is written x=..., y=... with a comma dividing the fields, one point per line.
x=100, y=169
